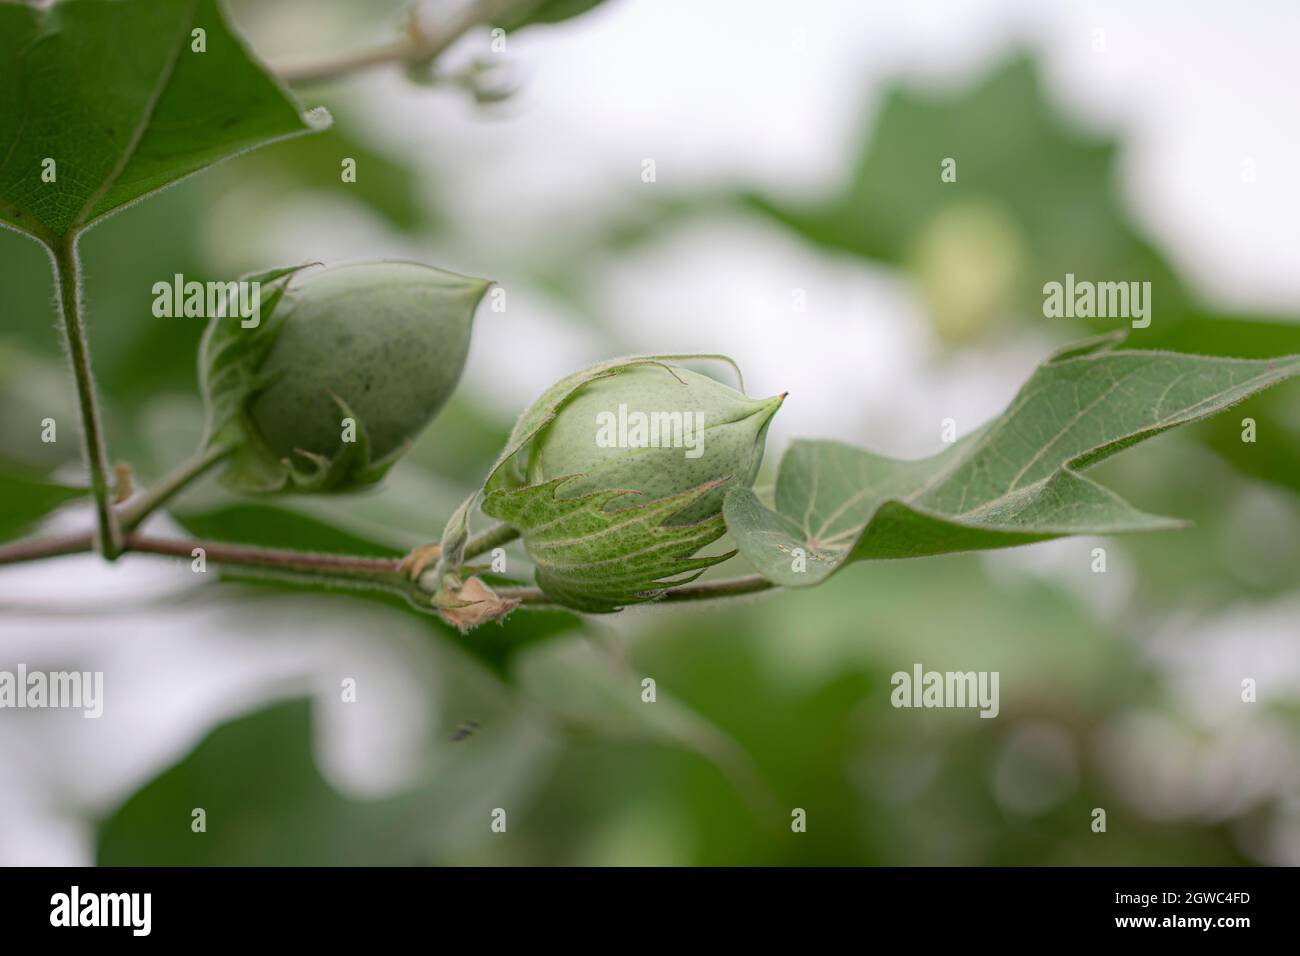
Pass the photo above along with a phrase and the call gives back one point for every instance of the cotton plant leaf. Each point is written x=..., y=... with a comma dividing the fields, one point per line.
x=569, y=540
x=116, y=94
x=1015, y=481
x=1276, y=458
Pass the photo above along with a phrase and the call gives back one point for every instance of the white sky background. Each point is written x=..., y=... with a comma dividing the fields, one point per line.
x=767, y=93
x=770, y=92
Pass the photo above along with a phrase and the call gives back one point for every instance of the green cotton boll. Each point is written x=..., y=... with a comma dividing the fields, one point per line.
x=386, y=340
x=657, y=430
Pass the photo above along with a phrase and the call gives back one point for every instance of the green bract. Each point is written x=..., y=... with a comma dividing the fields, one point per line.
x=343, y=370
x=615, y=478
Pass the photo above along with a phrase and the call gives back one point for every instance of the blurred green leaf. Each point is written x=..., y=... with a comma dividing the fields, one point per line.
x=1275, y=454
x=272, y=526
x=28, y=496
x=1014, y=481
x=463, y=440
x=120, y=127
x=265, y=804
x=1034, y=199
x=1241, y=543
x=385, y=185
x=801, y=681
x=137, y=355
x=1209, y=333
x=593, y=691
x=34, y=387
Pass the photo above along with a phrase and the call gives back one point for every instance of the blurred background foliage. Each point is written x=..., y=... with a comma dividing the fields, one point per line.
x=763, y=705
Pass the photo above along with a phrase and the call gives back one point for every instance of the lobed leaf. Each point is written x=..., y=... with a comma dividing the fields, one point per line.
x=1014, y=481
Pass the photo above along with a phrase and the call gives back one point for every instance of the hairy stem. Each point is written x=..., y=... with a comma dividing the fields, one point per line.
x=137, y=509
x=493, y=537
x=129, y=515
x=342, y=570
x=67, y=273
x=253, y=556
x=51, y=546
x=337, y=570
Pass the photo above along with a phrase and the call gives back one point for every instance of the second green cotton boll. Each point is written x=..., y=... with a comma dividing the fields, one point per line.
x=657, y=430
x=386, y=339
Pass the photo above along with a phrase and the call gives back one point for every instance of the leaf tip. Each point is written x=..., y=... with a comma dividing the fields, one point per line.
x=318, y=119
x=1088, y=346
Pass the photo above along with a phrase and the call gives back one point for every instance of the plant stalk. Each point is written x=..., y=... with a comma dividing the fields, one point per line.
x=341, y=569
x=493, y=537
x=133, y=512
x=704, y=591
x=67, y=274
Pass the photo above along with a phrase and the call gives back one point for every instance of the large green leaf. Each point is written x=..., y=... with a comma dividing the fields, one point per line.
x=117, y=95
x=1014, y=481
